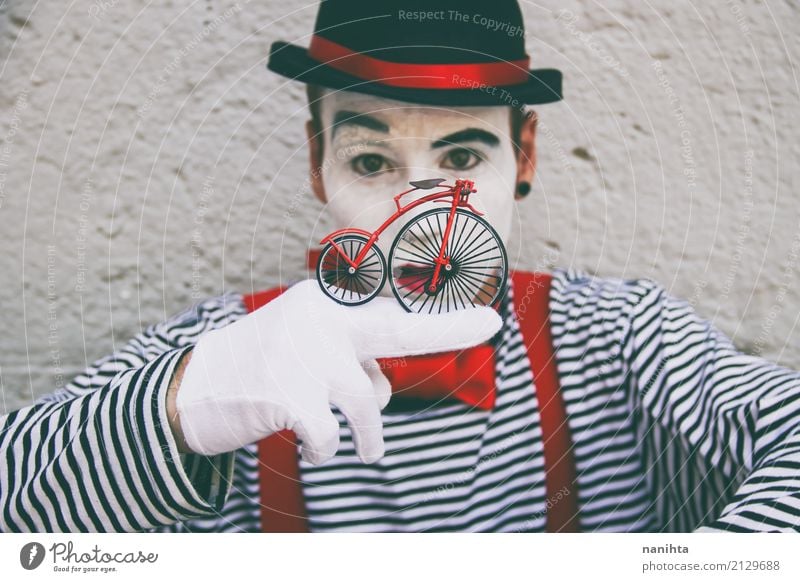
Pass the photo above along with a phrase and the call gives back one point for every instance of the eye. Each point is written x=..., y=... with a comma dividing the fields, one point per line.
x=366, y=164
x=461, y=159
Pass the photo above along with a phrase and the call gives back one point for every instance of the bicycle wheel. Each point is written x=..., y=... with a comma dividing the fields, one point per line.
x=478, y=263
x=344, y=284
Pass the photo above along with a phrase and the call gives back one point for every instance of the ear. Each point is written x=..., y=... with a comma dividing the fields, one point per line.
x=526, y=154
x=315, y=160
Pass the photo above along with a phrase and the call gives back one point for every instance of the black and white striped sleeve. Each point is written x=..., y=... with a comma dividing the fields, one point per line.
x=98, y=454
x=738, y=414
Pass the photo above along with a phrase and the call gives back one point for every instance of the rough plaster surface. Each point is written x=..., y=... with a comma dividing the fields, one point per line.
x=148, y=160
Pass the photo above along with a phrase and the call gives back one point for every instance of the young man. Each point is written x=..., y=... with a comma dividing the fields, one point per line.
x=670, y=427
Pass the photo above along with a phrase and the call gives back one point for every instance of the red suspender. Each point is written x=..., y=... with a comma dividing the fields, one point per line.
x=531, y=294
x=282, y=504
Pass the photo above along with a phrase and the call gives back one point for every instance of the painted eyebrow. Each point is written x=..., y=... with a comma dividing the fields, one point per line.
x=344, y=117
x=469, y=134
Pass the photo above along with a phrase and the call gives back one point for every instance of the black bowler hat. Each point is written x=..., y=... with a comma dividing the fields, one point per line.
x=437, y=52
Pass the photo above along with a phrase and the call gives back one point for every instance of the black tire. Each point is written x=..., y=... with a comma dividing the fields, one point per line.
x=351, y=288
x=418, y=242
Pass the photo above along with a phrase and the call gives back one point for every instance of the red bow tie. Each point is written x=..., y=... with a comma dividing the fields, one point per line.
x=467, y=375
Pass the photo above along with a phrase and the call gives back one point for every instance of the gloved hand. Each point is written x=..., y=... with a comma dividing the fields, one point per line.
x=283, y=365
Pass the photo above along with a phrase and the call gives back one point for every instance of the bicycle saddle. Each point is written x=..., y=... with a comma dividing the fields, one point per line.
x=427, y=184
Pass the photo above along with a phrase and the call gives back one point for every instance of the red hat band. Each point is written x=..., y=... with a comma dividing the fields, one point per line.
x=418, y=75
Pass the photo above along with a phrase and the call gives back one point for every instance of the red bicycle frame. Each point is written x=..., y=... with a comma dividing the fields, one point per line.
x=459, y=192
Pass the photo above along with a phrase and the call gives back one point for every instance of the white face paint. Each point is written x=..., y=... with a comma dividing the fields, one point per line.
x=363, y=168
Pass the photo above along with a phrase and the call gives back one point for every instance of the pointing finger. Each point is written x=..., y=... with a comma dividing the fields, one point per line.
x=382, y=328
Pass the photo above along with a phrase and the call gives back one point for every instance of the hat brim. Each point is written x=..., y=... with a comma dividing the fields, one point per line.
x=292, y=61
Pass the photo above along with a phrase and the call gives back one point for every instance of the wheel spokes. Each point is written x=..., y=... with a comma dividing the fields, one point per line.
x=336, y=277
x=476, y=260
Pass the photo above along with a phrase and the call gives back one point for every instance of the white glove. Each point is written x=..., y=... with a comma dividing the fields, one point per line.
x=282, y=366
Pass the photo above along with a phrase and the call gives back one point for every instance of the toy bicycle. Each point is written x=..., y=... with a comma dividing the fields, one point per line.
x=444, y=258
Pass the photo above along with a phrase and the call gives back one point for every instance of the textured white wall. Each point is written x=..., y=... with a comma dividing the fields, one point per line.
x=148, y=159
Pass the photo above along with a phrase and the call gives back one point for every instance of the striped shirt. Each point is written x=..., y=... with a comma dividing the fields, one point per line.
x=673, y=429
